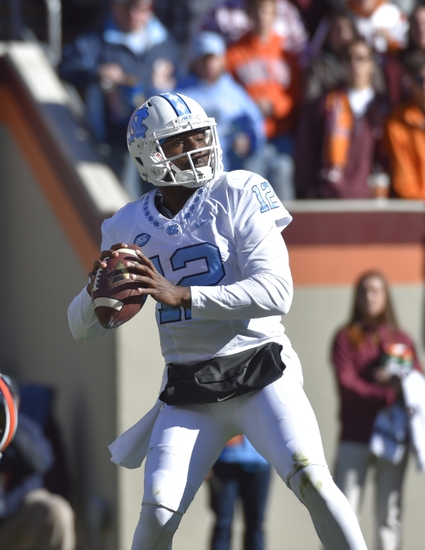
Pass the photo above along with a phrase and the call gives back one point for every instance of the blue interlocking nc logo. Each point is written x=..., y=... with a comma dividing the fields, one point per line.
x=173, y=229
x=136, y=126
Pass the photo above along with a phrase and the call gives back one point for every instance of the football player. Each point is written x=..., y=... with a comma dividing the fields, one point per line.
x=214, y=259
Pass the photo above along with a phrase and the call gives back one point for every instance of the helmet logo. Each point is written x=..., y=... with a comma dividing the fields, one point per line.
x=136, y=126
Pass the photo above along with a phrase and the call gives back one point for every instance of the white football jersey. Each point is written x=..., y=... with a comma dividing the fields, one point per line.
x=225, y=244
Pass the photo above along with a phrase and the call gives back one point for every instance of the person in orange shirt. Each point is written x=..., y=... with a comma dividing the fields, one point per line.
x=405, y=134
x=271, y=76
x=338, y=146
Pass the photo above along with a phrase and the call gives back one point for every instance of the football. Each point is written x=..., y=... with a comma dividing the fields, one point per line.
x=115, y=298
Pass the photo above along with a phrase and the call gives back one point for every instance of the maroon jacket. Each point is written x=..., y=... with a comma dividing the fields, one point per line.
x=365, y=151
x=360, y=397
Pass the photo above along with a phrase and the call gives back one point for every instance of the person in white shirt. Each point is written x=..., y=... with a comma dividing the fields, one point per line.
x=381, y=23
x=215, y=262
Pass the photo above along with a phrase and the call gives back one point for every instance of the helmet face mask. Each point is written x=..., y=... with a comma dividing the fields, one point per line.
x=164, y=116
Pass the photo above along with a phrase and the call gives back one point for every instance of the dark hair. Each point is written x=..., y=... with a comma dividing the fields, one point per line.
x=252, y=5
x=378, y=77
x=411, y=44
x=355, y=327
x=361, y=40
x=387, y=316
x=340, y=13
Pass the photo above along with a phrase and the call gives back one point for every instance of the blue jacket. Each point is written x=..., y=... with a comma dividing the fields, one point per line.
x=233, y=109
x=135, y=53
x=244, y=454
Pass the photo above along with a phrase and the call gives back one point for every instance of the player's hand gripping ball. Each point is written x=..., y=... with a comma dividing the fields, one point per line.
x=115, y=298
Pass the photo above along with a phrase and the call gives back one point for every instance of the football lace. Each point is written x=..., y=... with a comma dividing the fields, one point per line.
x=97, y=277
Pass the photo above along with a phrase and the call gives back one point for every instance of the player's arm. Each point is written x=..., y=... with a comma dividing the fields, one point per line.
x=266, y=288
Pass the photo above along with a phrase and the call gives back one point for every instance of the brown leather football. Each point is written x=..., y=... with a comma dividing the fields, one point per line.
x=115, y=297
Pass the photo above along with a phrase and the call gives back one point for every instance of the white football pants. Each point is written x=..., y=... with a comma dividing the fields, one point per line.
x=280, y=423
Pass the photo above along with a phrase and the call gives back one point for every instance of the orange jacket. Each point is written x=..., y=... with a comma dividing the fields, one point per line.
x=265, y=70
x=405, y=135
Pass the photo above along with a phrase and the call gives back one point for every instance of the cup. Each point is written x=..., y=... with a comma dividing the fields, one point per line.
x=380, y=184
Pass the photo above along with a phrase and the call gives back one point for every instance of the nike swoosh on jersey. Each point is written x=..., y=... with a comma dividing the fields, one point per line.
x=224, y=398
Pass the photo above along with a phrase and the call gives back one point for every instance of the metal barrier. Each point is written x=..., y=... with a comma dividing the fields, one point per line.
x=54, y=28
x=17, y=30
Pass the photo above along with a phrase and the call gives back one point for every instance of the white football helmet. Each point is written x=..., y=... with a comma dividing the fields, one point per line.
x=160, y=117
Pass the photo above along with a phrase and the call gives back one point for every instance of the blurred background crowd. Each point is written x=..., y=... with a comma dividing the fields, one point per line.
x=324, y=98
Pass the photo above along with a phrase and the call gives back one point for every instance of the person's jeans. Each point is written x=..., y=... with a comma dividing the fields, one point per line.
x=230, y=483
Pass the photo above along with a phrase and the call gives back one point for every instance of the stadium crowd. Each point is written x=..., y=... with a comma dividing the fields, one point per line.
x=325, y=99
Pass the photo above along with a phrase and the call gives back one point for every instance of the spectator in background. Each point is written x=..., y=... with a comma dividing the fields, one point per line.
x=339, y=151
x=114, y=70
x=384, y=26
x=230, y=19
x=313, y=11
x=182, y=19
x=240, y=122
x=361, y=354
x=34, y=515
x=327, y=66
x=405, y=134
x=381, y=23
x=415, y=43
x=416, y=35
x=240, y=473
x=272, y=78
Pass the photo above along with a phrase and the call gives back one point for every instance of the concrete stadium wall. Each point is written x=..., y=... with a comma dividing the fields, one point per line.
x=43, y=273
